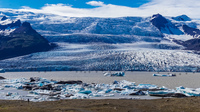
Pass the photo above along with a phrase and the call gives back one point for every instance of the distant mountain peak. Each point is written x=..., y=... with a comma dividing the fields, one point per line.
x=26, y=24
x=25, y=28
x=191, y=31
x=159, y=21
x=4, y=18
x=164, y=25
x=182, y=18
x=23, y=40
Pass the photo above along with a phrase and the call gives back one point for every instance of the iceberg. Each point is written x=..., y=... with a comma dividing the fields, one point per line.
x=47, y=90
x=85, y=92
x=165, y=75
x=188, y=91
x=117, y=74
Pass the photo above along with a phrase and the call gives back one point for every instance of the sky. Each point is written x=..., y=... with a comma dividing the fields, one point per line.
x=16, y=4
x=106, y=8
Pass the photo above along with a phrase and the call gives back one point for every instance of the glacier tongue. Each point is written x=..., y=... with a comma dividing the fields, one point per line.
x=105, y=57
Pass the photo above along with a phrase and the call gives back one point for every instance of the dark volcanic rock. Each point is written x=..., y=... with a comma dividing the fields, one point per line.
x=28, y=87
x=178, y=95
x=70, y=82
x=33, y=79
x=24, y=40
x=46, y=87
x=1, y=78
x=118, y=89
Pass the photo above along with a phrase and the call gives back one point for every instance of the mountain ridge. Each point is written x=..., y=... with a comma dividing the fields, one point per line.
x=22, y=40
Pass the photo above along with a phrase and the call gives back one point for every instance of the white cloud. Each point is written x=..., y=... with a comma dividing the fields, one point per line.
x=164, y=7
x=95, y=3
x=174, y=7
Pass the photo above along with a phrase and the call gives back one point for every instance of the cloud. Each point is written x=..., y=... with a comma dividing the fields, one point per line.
x=164, y=7
x=173, y=7
x=95, y=3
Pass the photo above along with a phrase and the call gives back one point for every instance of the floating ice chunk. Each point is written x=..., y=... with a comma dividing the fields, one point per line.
x=42, y=92
x=126, y=92
x=137, y=93
x=108, y=90
x=53, y=98
x=126, y=83
x=116, y=82
x=146, y=86
x=161, y=92
x=18, y=86
x=8, y=94
x=188, y=91
x=107, y=74
x=32, y=95
x=118, y=74
x=40, y=84
x=8, y=86
x=165, y=75
x=85, y=91
x=109, y=95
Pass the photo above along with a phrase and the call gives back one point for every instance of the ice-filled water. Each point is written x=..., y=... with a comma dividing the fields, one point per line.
x=134, y=85
x=186, y=79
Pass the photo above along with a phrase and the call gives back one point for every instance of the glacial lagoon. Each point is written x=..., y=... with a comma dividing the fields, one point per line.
x=186, y=79
x=95, y=85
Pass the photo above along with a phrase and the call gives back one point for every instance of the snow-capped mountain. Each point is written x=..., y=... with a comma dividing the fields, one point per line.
x=18, y=39
x=68, y=29
x=7, y=25
x=154, y=43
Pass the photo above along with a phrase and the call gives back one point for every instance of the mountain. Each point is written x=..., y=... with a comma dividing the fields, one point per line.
x=182, y=18
x=164, y=25
x=191, y=31
x=22, y=39
x=156, y=43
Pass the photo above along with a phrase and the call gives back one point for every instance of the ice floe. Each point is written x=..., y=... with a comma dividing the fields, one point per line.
x=39, y=89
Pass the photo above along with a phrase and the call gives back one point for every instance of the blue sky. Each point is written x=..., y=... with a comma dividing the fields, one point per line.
x=106, y=8
x=16, y=4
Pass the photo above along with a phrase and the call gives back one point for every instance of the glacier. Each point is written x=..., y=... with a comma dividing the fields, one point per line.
x=93, y=44
x=106, y=57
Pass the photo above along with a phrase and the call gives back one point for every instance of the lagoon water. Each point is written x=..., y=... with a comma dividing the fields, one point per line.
x=191, y=80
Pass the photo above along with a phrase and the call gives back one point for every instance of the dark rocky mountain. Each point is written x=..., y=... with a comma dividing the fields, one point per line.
x=159, y=21
x=182, y=18
x=191, y=31
x=8, y=24
x=23, y=40
x=193, y=44
x=164, y=25
x=4, y=18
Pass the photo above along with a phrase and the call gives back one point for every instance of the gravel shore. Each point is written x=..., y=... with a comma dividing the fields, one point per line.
x=157, y=105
